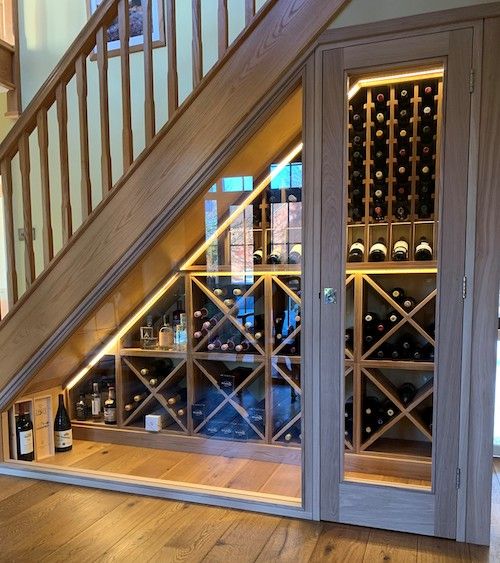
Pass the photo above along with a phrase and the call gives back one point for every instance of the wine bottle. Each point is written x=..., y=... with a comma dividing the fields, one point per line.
x=357, y=141
x=379, y=195
x=426, y=153
x=403, y=116
x=427, y=93
x=407, y=392
x=212, y=321
x=63, y=435
x=81, y=408
x=129, y=407
x=276, y=256
x=408, y=303
x=177, y=314
x=400, y=250
x=110, y=407
x=402, y=173
x=357, y=122
x=378, y=251
x=380, y=118
x=229, y=345
x=404, y=97
x=380, y=101
x=219, y=291
x=356, y=178
x=423, y=250
x=403, y=154
x=388, y=408
x=381, y=353
x=403, y=135
x=357, y=159
x=427, y=134
x=24, y=436
x=215, y=344
x=378, y=213
x=425, y=189
x=370, y=405
x=295, y=255
x=229, y=302
x=356, y=213
x=96, y=401
x=356, y=251
x=379, y=158
x=392, y=318
x=200, y=333
x=397, y=293
x=258, y=256
x=243, y=346
x=349, y=338
x=401, y=212
x=139, y=397
x=424, y=209
x=380, y=138
x=370, y=318
x=177, y=396
x=427, y=114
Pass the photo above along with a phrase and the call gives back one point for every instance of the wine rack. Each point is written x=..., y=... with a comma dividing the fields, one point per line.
x=236, y=377
x=392, y=195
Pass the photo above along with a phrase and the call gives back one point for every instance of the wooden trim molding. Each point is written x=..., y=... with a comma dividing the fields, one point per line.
x=485, y=297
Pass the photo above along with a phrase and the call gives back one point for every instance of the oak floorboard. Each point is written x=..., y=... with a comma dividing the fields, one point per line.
x=38, y=492
x=102, y=457
x=292, y=541
x=285, y=480
x=41, y=529
x=81, y=450
x=150, y=536
x=436, y=550
x=340, y=543
x=107, y=531
x=252, y=476
x=244, y=539
x=193, y=540
x=391, y=546
x=161, y=462
x=12, y=485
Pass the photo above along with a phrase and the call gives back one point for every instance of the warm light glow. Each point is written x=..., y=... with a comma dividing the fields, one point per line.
x=239, y=209
x=429, y=270
x=399, y=77
x=111, y=343
x=256, y=273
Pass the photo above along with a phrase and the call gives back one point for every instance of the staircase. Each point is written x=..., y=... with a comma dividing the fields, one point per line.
x=135, y=196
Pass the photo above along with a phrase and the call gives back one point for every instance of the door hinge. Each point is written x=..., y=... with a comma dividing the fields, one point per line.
x=464, y=287
x=457, y=478
x=471, y=80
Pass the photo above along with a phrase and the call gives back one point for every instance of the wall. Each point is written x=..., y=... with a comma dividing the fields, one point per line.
x=367, y=11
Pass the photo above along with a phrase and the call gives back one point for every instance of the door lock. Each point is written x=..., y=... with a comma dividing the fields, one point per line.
x=329, y=296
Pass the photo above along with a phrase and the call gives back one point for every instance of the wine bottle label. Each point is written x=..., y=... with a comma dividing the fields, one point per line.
x=379, y=247
x=26, y=442
x=96, y=406
x=423, y=247
x=401, y=246
x=357, y=246
x=63, y=438
x=110, y=414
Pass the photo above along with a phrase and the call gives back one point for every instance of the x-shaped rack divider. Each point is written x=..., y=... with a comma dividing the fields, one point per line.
x=348, y=370
x=228, y=399
x=228, y=313
x=154, y=392
x=388, y=389
x=406, y=317
x=297, y=300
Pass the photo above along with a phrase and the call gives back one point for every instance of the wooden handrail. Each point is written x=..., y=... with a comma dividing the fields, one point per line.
x=92, y=42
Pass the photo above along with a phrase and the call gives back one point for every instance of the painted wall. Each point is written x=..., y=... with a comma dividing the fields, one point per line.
x=367, y=11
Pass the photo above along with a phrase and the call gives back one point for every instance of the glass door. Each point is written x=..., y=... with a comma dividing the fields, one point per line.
x=397, y=269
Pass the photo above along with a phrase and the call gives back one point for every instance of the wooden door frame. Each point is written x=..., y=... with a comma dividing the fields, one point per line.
x=434, y=42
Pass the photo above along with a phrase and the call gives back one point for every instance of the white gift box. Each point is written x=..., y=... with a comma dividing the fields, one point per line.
x=154, y=422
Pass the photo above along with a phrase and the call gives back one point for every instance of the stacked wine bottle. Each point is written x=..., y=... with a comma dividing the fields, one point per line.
x=393, y=166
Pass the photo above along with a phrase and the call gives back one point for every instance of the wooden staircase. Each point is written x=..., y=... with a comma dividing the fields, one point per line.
x=58, y=292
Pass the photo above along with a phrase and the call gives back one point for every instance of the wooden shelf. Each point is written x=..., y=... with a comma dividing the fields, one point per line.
x=390, y=267
x=260, y=269
x=139, y=352
x=398, y=364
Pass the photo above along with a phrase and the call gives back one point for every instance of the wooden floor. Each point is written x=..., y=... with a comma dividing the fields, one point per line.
x=43, y=521
x=192, y=468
